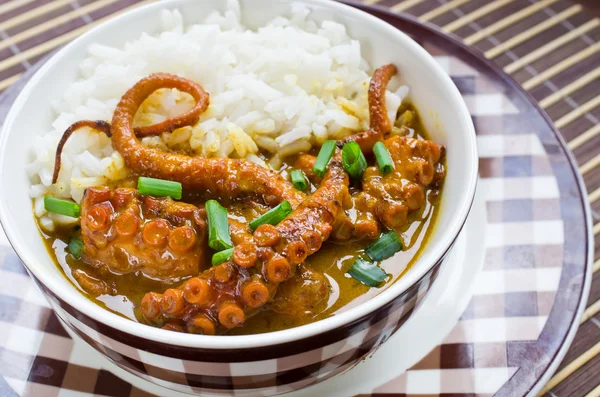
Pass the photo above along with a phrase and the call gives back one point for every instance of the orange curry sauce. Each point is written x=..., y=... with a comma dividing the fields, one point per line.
x=321, y=285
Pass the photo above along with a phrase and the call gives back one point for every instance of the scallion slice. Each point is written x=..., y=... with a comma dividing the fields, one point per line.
x=298, y=180
x=384, y=161
x=273, y=216
x=221, y=256
x=385, y=246
x=218, y=226
x=62, y=207
x=323, y=158
x=159, y=187
x=367, y=273
x=75, y=247
x=354, y=160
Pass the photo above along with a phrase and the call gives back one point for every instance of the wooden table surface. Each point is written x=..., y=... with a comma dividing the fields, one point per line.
x=551, y=47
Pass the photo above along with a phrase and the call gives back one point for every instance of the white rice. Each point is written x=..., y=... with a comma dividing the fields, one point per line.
x=277, y=90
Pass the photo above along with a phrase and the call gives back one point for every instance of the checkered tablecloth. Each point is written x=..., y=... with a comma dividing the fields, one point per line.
x=534, y=233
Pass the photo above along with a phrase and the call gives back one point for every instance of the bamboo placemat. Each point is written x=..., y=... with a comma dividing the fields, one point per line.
x=551, y=47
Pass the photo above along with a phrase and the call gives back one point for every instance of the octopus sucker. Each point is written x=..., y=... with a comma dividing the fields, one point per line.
x=320, y=210
x=268, y=268
x=317, y=213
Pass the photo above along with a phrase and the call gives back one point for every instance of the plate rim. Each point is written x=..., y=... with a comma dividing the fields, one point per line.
x=476, y=217
x=476, y=55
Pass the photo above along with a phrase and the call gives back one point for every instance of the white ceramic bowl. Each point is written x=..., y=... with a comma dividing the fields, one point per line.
x=256, y=364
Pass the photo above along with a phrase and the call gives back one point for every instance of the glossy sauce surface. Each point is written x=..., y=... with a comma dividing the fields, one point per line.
x=123, y=293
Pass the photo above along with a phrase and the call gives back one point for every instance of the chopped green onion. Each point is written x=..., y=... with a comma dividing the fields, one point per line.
x=384, y=161
x=218, y=226
x=62, y=207
x=159, y=187
x=299, y=180
x=273, y=216
x=75, y=247
x=323, y=158
x=221, y=256
x=385, y=246
x=354, y=160
x=367, y=273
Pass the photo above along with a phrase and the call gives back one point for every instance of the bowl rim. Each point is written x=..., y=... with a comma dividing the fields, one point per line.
x=88, y=308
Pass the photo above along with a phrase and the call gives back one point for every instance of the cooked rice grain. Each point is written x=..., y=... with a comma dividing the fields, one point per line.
x=280, y=89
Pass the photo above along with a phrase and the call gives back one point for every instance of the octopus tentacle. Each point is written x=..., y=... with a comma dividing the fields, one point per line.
x=201, y=97
x=377, y=109
x=229, y=292
x=188, y=118
x=97, y=125
x=318, y=212
x=220, y=176
x=379, y=121
x=390, y=198
x=126, y=233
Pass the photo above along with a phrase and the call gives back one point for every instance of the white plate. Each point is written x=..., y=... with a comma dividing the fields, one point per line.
x=426, y=329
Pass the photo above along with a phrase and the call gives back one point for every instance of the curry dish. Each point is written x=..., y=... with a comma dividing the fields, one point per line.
x=227, y=246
